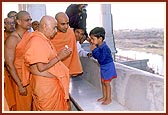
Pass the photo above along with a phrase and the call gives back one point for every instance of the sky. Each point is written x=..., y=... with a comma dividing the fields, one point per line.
x=138, y=15
x=126, y=15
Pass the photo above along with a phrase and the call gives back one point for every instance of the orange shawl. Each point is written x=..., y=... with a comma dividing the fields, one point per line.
x=8, y=89
x=6, y=107
x=73, y=61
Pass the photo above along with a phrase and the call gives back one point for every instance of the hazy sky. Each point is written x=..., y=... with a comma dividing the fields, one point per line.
x=138, y=15
x=126, y=15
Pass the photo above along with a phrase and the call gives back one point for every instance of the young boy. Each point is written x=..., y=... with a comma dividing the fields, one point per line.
x=102, y=53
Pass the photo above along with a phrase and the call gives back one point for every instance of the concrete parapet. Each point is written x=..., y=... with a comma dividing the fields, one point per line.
x=135, y=89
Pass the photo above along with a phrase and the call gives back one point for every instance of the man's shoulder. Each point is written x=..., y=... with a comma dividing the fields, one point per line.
x=70, y=30
x=12, y=41
x=13, y=37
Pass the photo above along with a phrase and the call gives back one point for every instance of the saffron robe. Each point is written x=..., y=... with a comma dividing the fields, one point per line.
x=23, y=103
x=8, y=89
x=73, y=61
x=49, y=94
x=6, y=107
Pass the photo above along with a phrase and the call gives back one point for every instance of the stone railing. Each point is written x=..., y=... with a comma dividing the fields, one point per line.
x=135, y=89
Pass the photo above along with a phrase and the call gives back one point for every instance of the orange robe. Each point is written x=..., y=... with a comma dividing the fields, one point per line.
x=23, y=103
x=8, y=87
x=6, y=106
x=49, y=94
x=73, y=61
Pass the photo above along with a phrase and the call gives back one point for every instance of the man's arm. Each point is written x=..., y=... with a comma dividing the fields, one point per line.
x=81, y=51
x=10, y=46
x=61, y=55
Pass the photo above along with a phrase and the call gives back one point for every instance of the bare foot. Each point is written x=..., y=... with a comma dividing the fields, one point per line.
x=106, y=102
x=101, y=99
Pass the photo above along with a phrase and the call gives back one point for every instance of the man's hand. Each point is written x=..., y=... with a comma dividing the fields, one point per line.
x=65, y=52
x=22, y=90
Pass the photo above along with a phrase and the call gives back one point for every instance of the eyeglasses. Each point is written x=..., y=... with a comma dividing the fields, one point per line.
x=9, y=23
x=27, y=20
x=12, y=17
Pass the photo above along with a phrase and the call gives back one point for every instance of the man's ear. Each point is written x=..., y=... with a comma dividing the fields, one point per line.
x=18, y=22
x=44, y=27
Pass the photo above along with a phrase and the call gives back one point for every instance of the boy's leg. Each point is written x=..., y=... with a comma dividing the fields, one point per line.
x=103, y=91
x=108, y=93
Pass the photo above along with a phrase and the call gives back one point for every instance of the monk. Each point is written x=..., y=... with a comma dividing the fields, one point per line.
x=14, y=50
x=9, y=26
x=35, y=25
x=12, y=14
x=66, y=37
x=50, y=77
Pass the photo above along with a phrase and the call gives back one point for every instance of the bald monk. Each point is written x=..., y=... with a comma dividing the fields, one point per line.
x=14, y=50
x=50, y=77
x=9, y=26
x=66, y=37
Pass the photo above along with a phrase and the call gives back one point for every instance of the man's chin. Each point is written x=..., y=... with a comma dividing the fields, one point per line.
x=64, y=31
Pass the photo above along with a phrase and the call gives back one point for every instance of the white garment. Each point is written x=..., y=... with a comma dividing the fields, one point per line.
x=81, y=51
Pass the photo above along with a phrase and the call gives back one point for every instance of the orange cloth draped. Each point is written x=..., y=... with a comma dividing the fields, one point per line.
x=73, y=61
x=8, y=89
x=49, y=94
x=6, y=107
x=23, y=103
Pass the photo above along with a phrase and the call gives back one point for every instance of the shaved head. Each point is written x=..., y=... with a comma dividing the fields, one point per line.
x=23, y=20
x=62, y=22
x=21, y=14
x=9, y=24
x=47, y=20
x=48, y=26
x=61, y=15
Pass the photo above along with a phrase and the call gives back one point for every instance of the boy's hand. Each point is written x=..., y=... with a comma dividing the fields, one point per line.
x=92, y=47
x=89, y=55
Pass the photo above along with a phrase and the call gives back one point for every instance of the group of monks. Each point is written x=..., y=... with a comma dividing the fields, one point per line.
x=37, y=65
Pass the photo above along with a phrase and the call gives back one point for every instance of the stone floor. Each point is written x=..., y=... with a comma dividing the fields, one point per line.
x=84, y=95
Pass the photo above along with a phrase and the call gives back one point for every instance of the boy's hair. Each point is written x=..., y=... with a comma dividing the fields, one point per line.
x=98, y=32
